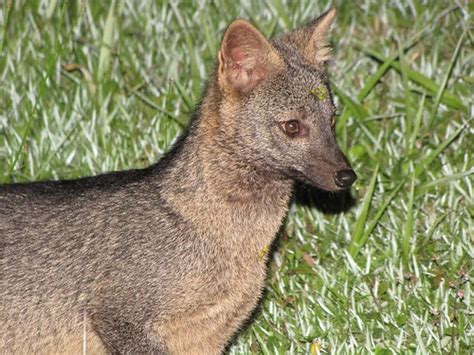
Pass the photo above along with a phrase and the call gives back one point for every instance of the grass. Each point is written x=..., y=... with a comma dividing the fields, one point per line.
x=89, y=87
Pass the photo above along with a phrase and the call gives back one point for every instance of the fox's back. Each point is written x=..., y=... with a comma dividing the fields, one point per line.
x=59, y=242
x=112, y=243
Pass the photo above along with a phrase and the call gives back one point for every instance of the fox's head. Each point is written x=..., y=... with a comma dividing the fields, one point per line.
x=279, y=108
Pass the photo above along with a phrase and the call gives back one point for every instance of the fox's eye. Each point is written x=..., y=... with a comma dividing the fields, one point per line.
x=291, y=128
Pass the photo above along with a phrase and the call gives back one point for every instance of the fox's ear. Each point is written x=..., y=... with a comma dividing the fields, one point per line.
x=246, y=58
x=312, y=38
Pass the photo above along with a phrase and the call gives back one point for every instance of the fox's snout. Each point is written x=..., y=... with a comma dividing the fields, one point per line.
x=327, y=169
x=345, y=178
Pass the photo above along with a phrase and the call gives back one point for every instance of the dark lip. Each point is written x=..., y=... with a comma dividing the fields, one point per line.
x=306, y=180
x=322, y=187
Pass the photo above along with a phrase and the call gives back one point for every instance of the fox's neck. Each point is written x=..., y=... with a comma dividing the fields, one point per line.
x=219, y=195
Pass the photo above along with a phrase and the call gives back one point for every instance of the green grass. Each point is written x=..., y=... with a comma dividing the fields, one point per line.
x=87, y=87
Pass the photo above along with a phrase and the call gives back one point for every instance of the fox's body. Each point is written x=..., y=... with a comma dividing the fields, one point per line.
x=108, y=258
x=172, y=258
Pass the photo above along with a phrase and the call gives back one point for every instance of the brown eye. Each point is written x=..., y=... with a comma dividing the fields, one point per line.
x=291, y=128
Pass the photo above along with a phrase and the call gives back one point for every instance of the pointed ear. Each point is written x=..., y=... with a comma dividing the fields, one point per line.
x=246, y=58
x=312, y=38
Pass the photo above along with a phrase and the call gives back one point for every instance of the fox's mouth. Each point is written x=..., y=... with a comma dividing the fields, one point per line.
x=319, y=185
x=300, y=176
x=334, y=184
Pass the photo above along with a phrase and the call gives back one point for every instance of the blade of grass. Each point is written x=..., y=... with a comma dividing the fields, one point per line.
x=149, y=102
x=281, y=12
x=372, y=81
x=58, y=149
x=209, y=35
x=90, y=21
x=447, y=98
x=432, y=156
x=182, y=92
x=421, y=348
x=370, y=84
x=189, y=44
x=8, y=10
x=444, y=180
x=375, y=78
x=406, y=94
x=270, y=29
x=435, y=225
x=51, y=8
x=444, y=83
x=106, y=45
x=24, y=136
x=355, y=248
x=51, y=65
x=357, y=109
x=362, y=218
x=408, y=227
x=341, y=128
x=417, y=125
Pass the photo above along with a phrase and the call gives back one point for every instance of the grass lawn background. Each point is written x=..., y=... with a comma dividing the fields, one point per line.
x=94, y=86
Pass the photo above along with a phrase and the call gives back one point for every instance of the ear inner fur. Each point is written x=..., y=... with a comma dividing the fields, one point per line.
x=246, y=58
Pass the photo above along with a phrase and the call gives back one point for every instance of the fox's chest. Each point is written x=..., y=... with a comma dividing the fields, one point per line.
x=232, y=283
x=210, y=315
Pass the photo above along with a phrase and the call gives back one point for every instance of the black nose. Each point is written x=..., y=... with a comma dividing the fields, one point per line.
x=345, y=178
